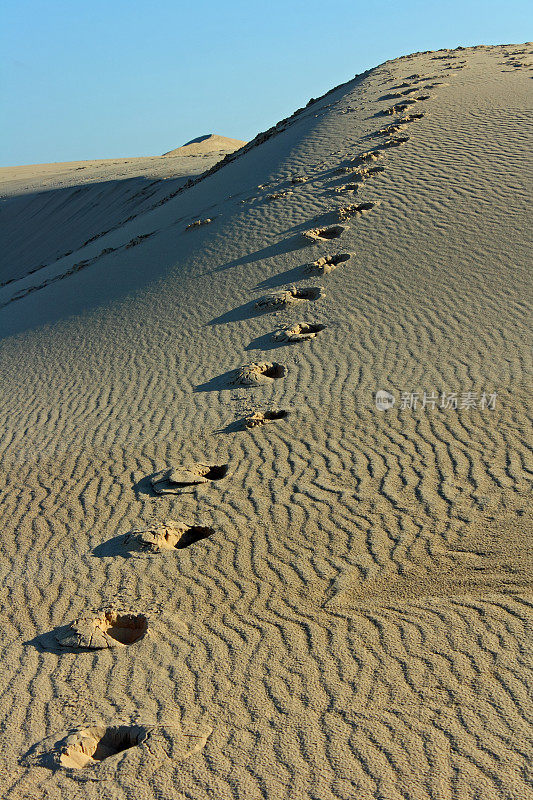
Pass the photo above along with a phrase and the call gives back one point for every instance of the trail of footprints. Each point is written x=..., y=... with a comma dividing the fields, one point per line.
x=111, y=628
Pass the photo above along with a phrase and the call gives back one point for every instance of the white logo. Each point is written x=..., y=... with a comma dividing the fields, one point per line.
x=384, y=400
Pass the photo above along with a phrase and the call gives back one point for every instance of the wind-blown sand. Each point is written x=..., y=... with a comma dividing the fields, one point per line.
x=337, y=604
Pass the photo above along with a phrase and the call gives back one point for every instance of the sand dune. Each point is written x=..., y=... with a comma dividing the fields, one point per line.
x=52, y=211
x=209, y=143
x=336, y=604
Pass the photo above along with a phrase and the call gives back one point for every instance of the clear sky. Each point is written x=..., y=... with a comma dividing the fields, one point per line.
x=109, y=78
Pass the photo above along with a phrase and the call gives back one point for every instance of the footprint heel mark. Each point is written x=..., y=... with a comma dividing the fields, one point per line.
x=193, y=534
x=108, y=629
x=264, y=418
x=168, y=535
x=259, y=372
x=300, y=332
x=289, y=297
x=327, y=263
x=87, y=746
x=173, y=479
x=324, y=234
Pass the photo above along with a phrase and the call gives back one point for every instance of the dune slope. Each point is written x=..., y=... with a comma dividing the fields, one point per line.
x=205, y=597
x=50, y=211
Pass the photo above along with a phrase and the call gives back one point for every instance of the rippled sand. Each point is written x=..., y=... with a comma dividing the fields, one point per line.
x=224, y=572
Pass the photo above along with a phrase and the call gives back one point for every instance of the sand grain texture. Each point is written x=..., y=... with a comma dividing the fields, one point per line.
x=358, y=625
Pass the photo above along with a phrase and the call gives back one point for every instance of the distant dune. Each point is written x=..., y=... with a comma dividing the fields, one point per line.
x=209, y=143
x=266, y=455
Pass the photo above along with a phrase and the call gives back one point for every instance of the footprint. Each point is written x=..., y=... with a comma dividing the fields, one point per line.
x=198, y=223
x=364, y=158
x=354, y=210
x=173, y=479
x=395, y=126
x=398, y=107
x=289, y=297
x=388, y=130
x=264, y=417
x=87, y=746
x=409, y=118
x=395, y=142
x=169, y=535
x=327, y=263
x=348, y=187
x=318, y=234
x=108, y=629
x=300, y=332
x=368, y=172
x=259, y=372
x=278, y=195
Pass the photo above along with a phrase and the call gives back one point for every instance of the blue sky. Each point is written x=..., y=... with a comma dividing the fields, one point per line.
x=110, y=78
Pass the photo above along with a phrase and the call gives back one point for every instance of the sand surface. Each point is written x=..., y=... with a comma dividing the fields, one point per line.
x=205, y=597
x=49, y=211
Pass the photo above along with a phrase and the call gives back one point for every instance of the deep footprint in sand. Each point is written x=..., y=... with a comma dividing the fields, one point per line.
x=87, y=746
x=300, y=332
x=173, y=479
x=108, y=629
x=289, y=297
x=324, y=234
x=327, y=263
x=259, y=372
x=264, y=418
x=169, y=535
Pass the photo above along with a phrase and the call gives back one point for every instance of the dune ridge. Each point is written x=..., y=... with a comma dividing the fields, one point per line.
x=357, y=622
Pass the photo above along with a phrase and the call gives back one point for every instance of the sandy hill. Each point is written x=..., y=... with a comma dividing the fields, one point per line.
x=227, y=573
x=209, y=143
x=49, y=211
